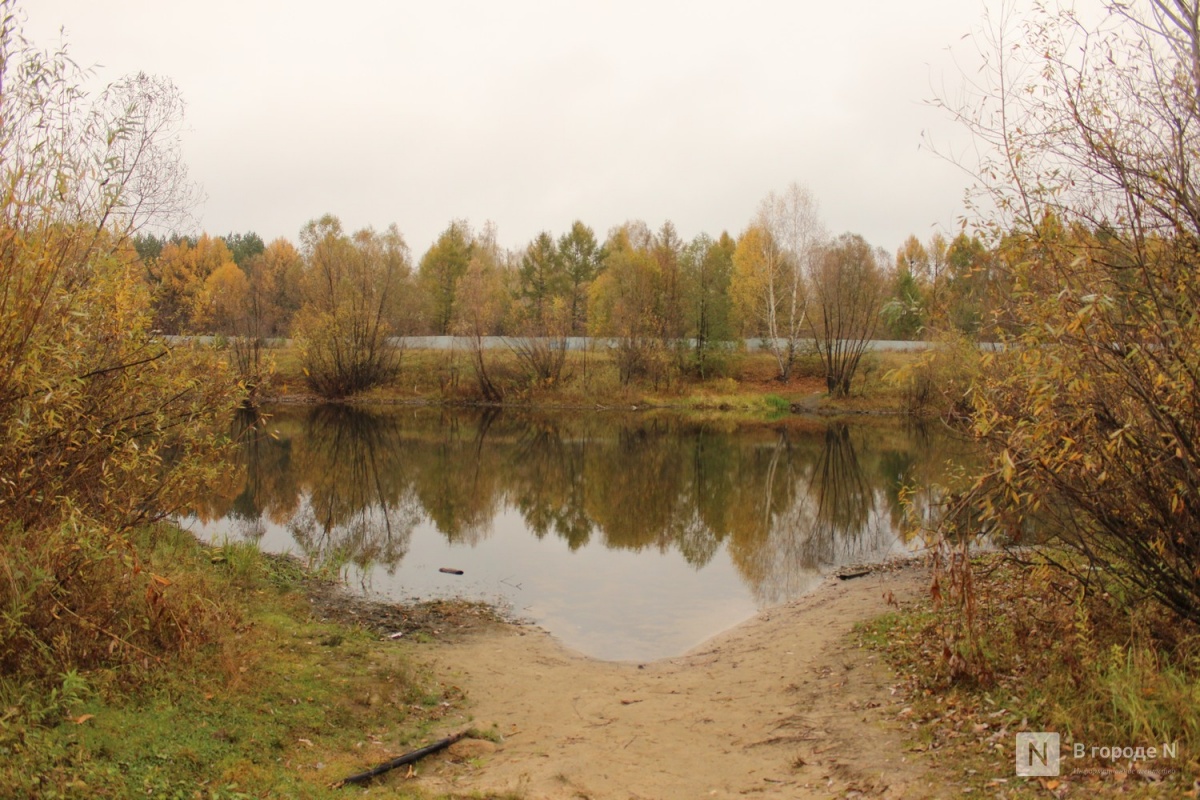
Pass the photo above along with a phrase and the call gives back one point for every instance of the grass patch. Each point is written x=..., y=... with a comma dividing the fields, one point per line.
x=777, y=406
x=277, y=704
x=1060, y=661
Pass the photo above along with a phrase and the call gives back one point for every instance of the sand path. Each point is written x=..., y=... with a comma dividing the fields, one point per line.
x=785, y=705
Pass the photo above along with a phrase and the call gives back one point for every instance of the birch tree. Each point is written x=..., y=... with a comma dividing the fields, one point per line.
x=770, y=264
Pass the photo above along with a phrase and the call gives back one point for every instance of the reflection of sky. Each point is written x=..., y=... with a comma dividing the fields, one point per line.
x=609, y=604
x=613, y=604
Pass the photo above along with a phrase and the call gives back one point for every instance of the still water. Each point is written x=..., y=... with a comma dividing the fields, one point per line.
x=628, y=537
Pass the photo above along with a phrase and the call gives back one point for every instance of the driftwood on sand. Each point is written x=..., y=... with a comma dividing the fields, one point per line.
x=400, y=761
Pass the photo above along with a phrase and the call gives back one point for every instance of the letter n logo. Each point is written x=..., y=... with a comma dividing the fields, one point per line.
x=1037, y=754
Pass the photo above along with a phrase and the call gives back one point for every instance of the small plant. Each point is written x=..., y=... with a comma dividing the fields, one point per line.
x=777, y=405
x=242, y=559
x=869, y=369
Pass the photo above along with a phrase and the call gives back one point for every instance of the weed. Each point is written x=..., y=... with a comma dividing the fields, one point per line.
x=258, y=705
x=778, y=406
x=1074, y=663
x=242, y=559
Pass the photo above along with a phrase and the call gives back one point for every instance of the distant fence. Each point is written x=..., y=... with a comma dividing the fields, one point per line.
x=589, y=343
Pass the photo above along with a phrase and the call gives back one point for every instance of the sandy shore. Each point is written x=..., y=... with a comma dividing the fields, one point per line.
x=785, y=705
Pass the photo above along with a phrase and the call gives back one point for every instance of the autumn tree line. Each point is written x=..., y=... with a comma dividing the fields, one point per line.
x=669, y=306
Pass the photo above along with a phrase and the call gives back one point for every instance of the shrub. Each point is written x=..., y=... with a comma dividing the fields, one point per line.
x=939, y=381
x=541, y=357
x=82, y=596
x=1090, y=412
x=103, y=426
x=357, y=294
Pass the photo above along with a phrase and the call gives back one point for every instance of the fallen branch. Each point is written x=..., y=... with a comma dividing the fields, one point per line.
x=407, y=758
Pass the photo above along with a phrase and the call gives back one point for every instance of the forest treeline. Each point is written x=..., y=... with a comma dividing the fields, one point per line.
x=670, y=304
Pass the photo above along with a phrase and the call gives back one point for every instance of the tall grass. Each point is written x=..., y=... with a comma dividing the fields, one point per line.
x=256, y=691
x=1083, y=664
x=84, y=598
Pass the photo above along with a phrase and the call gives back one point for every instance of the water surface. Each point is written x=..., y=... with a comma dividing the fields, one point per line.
x=629, y=537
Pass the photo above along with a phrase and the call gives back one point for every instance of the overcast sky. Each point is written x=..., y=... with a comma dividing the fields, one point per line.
x=534, y=114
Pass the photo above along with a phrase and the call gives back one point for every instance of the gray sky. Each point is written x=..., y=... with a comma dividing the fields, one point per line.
x=533, y=114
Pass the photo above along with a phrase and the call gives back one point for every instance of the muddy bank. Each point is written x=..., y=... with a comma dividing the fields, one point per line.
x=423, y=621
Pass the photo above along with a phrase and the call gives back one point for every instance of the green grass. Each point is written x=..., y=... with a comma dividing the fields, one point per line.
x=777, y=406
x=279, y=705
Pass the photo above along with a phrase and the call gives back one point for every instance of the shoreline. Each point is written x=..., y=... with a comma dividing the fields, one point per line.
x=454, y=615
x=784, y=704
x=748, y=387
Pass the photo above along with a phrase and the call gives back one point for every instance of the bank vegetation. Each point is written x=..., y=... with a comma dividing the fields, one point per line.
x=134, y=662
x=1088, y=133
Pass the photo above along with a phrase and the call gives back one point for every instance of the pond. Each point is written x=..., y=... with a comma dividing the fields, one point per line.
x=627, y=536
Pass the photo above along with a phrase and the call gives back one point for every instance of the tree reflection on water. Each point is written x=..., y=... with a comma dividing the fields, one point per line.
x=352, y=484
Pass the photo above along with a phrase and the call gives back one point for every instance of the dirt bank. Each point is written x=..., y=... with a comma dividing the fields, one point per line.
x=783, y=706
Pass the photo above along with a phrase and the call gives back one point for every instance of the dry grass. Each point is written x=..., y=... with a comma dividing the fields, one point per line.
x=591, y=379
x=270, y=701
x=79, y=597
x=1057, y=660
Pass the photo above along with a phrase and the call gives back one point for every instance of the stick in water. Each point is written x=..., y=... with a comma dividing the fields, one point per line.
x=407, y=758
